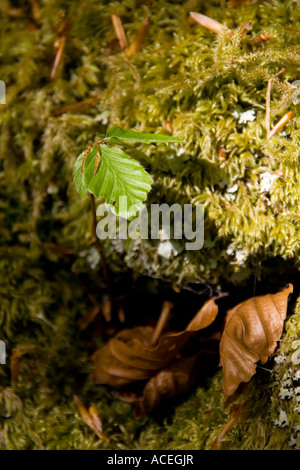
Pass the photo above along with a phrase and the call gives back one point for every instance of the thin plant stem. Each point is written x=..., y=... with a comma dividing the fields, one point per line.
x=98, y=245
x=268, y=102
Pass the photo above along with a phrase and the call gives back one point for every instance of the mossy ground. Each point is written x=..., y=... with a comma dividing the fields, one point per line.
x=204, y=84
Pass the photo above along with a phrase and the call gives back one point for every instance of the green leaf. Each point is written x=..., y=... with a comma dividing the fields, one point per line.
x=118, y=175
x=136, y=152
x=128, y=135
x=79, y=176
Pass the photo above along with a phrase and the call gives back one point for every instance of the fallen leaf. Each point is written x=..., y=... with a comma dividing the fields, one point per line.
x=131, y=355
x=252, y=329
x=168, y=383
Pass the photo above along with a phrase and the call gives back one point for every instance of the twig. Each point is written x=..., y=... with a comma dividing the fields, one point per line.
x=165, y=312
x=268, y=102
x=35, y=10
x=236, y=411
x=280, y=124
x=236, y=3
x=88, y=318
x=12, y=11
x=74, y=106
x=263, y=37
x=60, y=49
x=139, y=38
x=119, y=30
x=61, y=29
x=90, y=417
x=208, y=22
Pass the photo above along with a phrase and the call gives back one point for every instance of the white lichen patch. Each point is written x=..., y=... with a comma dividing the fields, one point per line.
x=93, y=258
x=240, y=255
x=297, y=375
x=266, y=181
x=166, y=249
x=246, y=116
x=180, y=151
x=280, y=359
x=282, y=420
x=296, y=357
x=285, y=393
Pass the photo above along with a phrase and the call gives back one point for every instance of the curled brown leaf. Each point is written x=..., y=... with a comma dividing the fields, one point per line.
x=131, y=355
x=168, y=383
x=252, y=329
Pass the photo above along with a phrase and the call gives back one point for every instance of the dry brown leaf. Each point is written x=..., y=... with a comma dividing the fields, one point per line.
x=252, y=329
x=139, y=38
x=168, y=383
x=131, y=355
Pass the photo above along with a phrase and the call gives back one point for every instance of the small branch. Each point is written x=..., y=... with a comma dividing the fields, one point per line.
x=61, y=29
x=236, y=412
x=268, y=107
x=263, y=37
x=268, y=102
x=165, y=312
x=119, y=30
x=12, y=11
x=139, y=39
x=35, y=10
x=74, y=106
x=90, y=417
x=208, y=22
x=60, y=49
x=280, y=124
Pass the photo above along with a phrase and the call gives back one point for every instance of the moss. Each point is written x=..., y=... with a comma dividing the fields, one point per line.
x=204, y=84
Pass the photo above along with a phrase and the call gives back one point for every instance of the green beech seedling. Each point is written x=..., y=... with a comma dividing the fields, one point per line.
x=106, y=171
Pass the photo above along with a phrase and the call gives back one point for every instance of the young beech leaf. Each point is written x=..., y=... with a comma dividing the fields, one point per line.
x=117, y=175
x=130, y=355
x=79, y=176
x=252, y=329
x=127, y=135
